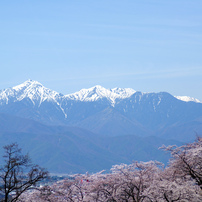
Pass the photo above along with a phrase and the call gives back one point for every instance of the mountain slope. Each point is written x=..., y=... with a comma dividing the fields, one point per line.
x=110, y=122
x=158, y=110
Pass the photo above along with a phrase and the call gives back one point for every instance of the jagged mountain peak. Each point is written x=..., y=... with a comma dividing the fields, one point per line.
x=98, y=92
x=31, y=89
x=123, y=92
x=29, y=84
x=96, y=89
x=37, y=93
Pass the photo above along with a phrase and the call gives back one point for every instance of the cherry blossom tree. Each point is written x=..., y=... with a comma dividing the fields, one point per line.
x=136, y=178
x=136, y=182
x=186, y=161
x=166, y=187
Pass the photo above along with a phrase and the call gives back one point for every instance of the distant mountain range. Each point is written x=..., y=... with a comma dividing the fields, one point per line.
x=109, y=112
x=96, y=124
x=64, y=149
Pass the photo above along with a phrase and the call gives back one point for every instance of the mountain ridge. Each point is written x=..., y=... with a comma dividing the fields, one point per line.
x=103, y=111
x=34, y=90
x=75, y=150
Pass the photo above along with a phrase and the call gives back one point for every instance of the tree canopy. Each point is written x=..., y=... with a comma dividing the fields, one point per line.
x=18, y=174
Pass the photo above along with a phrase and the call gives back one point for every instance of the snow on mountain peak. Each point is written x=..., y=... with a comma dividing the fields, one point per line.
x=37, y=93
x=33, y=90
x=99, y=92
x=187, y=99
x=123, y=92
x=27, y=84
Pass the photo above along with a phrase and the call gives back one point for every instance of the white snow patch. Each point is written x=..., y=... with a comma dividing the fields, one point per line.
x=187, y=99
x=159, y=101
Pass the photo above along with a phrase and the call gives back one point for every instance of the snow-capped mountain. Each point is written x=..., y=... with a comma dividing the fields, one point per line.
x=111, y=112
x=98, y=92
x=37, y=94
x=32, y=100
x=33, y=90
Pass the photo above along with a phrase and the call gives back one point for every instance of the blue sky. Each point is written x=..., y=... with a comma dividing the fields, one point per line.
x=147, y=45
